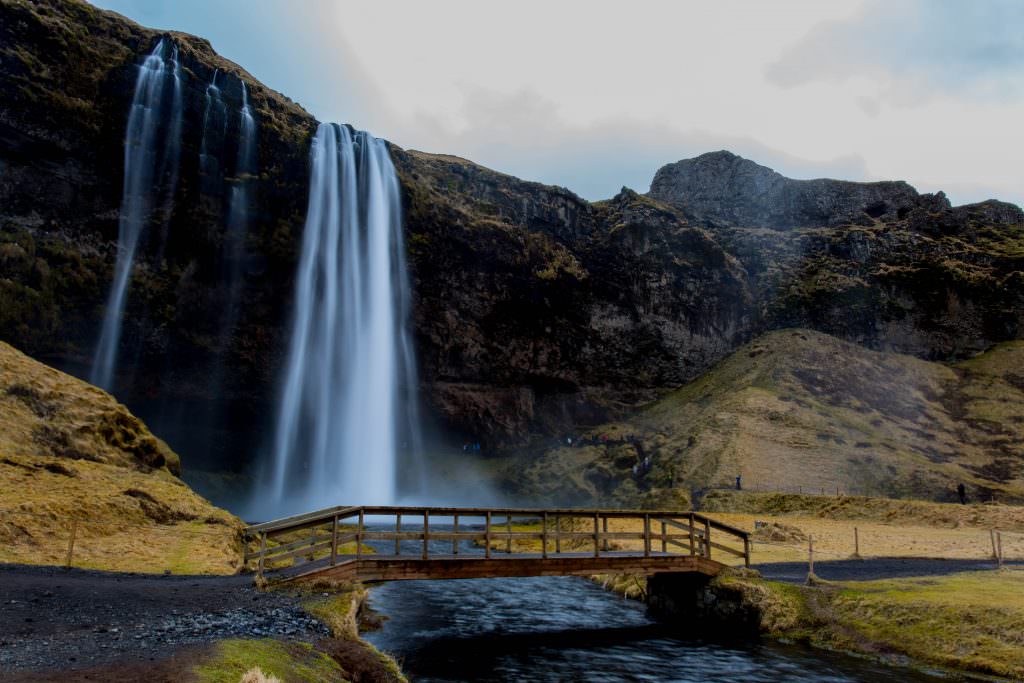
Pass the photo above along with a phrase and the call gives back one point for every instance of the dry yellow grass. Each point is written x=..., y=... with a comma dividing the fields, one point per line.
x=72, y=457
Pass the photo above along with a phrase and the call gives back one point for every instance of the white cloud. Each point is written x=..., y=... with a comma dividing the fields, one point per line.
x=595, y=95
x=913, y=50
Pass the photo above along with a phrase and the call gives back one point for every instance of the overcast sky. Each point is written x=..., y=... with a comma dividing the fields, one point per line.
x=596, y=95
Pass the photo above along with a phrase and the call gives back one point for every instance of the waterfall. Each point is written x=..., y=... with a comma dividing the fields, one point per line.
x=211, y=142
x=151, y=148
x=238, y=213
x=347, y=410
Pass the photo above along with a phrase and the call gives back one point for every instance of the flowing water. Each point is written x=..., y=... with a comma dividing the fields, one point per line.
x=238, y=212
x=346, y=407
x=212, y=140
x=568, y=629
x=151, y=149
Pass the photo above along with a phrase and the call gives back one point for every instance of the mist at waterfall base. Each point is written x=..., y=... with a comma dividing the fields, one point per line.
x=151, y=150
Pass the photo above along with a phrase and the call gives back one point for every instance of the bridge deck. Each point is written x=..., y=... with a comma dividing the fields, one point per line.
x=340, y=543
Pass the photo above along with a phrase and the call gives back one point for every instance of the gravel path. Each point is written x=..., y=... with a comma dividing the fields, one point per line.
x=872, y=569
x=55, y=619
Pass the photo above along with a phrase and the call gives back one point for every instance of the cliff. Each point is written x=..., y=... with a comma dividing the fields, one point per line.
x=534, y=310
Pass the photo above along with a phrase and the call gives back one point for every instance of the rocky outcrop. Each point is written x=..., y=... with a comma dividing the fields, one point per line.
x=721, y=188
x=534, y=309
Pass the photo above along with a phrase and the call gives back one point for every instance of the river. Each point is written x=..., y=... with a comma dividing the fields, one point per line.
x=569, y=629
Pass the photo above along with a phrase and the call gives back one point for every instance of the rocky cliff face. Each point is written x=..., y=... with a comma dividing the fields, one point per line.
x=534, y=309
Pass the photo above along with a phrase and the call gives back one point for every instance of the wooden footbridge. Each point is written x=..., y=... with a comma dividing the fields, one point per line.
x=393, y=543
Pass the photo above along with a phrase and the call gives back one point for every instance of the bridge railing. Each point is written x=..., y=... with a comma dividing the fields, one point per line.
x=341, y=534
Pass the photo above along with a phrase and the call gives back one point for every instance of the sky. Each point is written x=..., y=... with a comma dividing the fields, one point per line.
x=595, y=95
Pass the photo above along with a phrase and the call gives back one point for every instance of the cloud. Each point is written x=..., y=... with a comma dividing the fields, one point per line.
x=905, y=52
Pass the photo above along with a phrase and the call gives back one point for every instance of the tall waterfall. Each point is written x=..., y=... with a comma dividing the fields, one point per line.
x=151, y=149
x=347, y=411
x=238, y=210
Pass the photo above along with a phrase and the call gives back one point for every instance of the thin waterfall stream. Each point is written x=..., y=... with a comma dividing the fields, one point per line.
x=151, y=150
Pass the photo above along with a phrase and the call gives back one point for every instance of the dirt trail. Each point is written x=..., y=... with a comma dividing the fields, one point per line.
x=874, y=568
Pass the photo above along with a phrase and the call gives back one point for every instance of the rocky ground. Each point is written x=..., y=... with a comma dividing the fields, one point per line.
x=53, y=619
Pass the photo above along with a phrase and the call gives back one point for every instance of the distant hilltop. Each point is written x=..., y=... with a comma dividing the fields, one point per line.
x=723, y=189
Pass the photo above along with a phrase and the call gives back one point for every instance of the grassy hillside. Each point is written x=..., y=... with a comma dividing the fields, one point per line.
x=800, y=410
x=70, y=455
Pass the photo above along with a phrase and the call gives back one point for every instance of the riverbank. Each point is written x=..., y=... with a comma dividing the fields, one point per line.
x=82, y=625
x=970, y=623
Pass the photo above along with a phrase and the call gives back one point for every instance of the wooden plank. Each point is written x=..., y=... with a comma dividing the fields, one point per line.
x=302, y=542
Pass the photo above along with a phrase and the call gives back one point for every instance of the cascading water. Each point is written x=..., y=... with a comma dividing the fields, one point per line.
x=152, y=144
x=214, y=122
x=238, y=211
x=347, y=408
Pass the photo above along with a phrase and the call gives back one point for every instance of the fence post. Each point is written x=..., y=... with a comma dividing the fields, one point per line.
x=71, y=543
x=856, y=542
x=398, y=534
x=746, y=551
x=810, y=558
x=999, y=544
x=992, y=537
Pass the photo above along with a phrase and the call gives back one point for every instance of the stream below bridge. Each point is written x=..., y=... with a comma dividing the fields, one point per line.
x=569, y=629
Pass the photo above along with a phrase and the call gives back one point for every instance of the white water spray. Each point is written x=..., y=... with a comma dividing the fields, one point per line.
x=148, y=164
x=347, y=409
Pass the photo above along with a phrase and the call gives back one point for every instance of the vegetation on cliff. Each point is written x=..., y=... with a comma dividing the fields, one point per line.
x=799, y=409
x=73, y=457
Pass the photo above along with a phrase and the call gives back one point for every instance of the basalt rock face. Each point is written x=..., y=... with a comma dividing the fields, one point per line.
x=721, y=188
x=534, y=310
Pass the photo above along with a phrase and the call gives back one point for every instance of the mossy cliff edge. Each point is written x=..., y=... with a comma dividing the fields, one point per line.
x=535, y=311
x=75, y=461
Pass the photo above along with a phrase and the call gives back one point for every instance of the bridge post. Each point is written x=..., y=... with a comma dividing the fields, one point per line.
x=707, y=538
x=508, y=529
x=604, y=527
x=558, y=533
x=487, y=536
x=664, y=540
x=692, y=532
x=426, y=533
x=263, y=552
x=359, y=536
x=597, y=537
x=746, y=552
x=455, y=531
x=647, y=535
x=398, y=534
x=334, y=540
x=544, y=536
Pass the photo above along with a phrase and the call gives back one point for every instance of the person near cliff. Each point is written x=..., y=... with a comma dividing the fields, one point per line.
x=961, y=491
x=739, y=487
